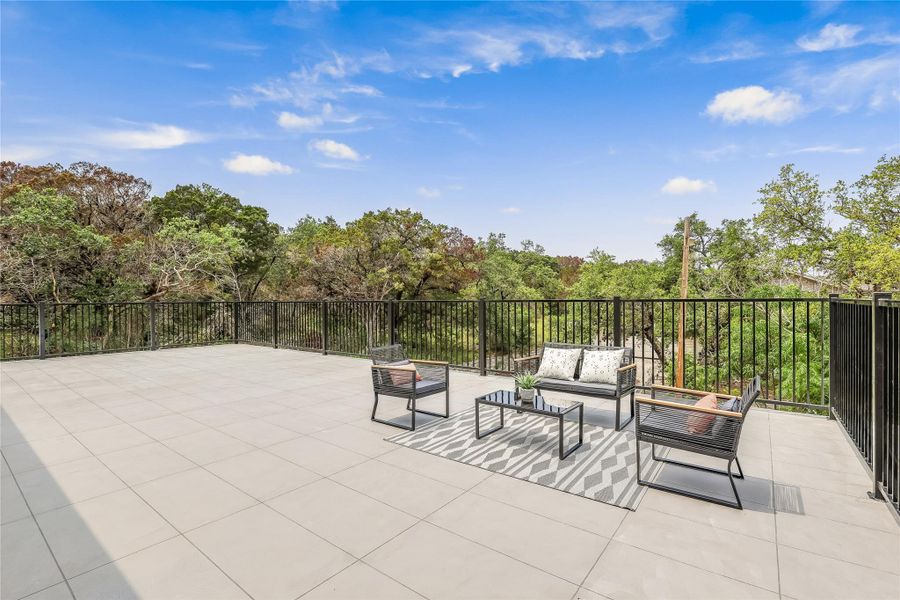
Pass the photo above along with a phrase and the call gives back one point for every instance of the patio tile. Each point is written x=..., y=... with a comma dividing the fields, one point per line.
x=26, y=565
x=346, y=518
x=755, y=520
x=411, y=493
x=316, y=455
x=193, y=498
x=359, y=581
x=168, y=426
x=301, y=421
x=262, y=550
x=712, y=548
x=808, y=576
x=860, y=511
x=145, y=463
x=139, y=411
x=60, y=591
x=110, y=439
x=262, y=475
x=172, y=569
x=12, y=504
x=462, y=569
x=849, y=543
x=47, y=452
x=215, y=416
x=628, y=572
x=39, y=427
x=850, y=483
x=258, y=432
x=436, y=467
x=589, y=515
x=86, y=535
x=86, y=419
x=361, y=441
x=67, y=483
x=565, y=551
x=207, y=446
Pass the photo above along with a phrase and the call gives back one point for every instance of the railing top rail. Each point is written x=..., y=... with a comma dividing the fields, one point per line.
x=690, y=300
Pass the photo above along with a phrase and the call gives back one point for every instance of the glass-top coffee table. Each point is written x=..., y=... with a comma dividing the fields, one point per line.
x=505, y=399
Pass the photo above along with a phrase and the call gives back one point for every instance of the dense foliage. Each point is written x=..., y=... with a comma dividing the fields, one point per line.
x=90, y=233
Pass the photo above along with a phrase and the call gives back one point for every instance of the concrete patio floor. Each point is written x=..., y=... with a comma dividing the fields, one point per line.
x=235, y=471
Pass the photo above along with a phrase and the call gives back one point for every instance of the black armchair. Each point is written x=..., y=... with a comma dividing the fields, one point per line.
x=664, y=419
x=393, y=374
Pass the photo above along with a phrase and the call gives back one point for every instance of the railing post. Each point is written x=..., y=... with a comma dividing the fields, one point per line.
x=832, y=344
x=482, y=337
x=42, y=330
x=617, y=321
x=274, y=324
x=324, y=317
x=152, y=326
x=392, y=321
x=878, y=393
x=235, y=316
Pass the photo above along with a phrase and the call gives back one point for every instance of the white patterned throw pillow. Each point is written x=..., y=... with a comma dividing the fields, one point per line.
x=600, y=366
x=559, y=363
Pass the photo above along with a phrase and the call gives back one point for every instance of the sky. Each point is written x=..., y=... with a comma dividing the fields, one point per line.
x=577, y=126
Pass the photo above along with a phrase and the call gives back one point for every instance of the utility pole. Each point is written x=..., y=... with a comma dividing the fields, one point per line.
x=685, y=260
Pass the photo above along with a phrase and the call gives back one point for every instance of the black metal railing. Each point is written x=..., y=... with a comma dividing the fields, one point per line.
x=865, y=380
x=727, y=341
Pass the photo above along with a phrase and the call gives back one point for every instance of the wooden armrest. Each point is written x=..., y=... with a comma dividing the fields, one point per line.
x=669, y=388
x=441, y=363
x=627, y=368
x=713, y=411
x=524, y=358
x=395, y=367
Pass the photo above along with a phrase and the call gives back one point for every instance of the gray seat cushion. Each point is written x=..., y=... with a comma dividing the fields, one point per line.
x=606, y=390
x=423, y=387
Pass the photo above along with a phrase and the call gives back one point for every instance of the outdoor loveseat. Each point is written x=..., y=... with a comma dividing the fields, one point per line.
x=670, y=417
x=623, y=386
x=393, y=374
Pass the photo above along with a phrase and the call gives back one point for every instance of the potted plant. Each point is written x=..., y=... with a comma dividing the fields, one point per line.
x=526, y=384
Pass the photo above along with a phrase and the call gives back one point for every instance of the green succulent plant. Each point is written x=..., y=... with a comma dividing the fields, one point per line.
x=527, y=381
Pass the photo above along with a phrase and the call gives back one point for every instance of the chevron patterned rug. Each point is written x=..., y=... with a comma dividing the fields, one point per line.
x=527, y=448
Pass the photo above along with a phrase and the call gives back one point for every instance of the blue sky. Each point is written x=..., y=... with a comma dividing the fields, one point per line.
x=574, y=125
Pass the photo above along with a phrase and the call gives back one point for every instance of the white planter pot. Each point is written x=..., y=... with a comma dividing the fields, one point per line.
x=527, y=396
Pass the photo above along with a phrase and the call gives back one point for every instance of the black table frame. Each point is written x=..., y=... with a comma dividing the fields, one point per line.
x=519, y=406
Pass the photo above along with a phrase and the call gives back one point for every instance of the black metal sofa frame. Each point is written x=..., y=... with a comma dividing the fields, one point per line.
x=625, y=378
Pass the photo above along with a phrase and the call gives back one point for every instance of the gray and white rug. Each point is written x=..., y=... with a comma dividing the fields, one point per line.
x=527, y=448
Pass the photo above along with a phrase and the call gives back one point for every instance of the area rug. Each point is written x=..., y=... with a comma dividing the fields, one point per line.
x=603, y=469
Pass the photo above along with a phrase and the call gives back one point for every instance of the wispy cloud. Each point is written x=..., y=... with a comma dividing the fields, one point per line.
x=824, y=149
x=200, y=66
x=737, y=50
x=428, y=192
x=151, y=136
x=240, y=47
x=255, y=164
x=755, y=103
x=24, y=154
x=511, y=210
x=336, y=150
x=682, y=185
x=718, y=153
x=871, y=82
x=831, y=37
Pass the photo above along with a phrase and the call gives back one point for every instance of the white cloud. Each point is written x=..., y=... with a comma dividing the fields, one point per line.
x=151, y=137
x=24, y=154
x=870, y=82
x=738, y=50
x=755, y=103
x=683, y=185
x=198, y=66
x=829, y=149
x=459, y=70
x=427, y=192
x=333, y=149
x=831, y=37
x=289, y=120
x=720, y=153
x=254, y=164
x=511, y=210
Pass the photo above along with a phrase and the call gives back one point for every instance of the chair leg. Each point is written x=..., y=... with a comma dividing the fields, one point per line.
x=696, y=495
x=375, y=406
x=620, y=426
x=411, y=427
x=413, y=413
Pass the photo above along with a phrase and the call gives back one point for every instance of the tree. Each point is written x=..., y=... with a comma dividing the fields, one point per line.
x=737, y=259
x=112, y=202
x=44, y=249
x=504, y=273
x=212, y=209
